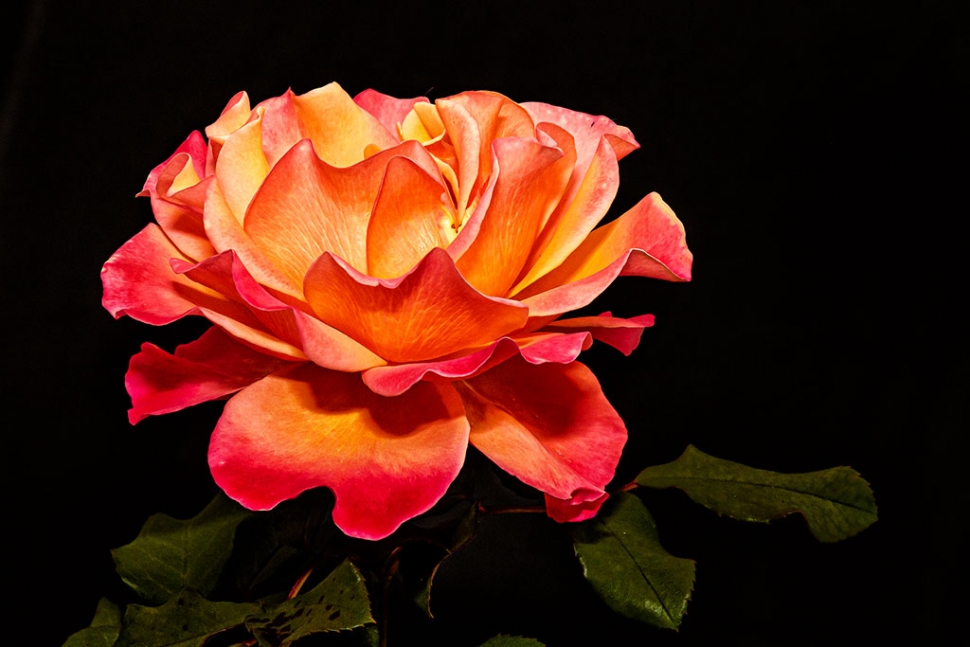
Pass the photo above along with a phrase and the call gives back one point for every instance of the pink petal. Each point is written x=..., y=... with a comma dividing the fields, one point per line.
x=648, y=240
x=535, y=348
x=386, y=459
x=388, y=110
x=213, y=366
x=178, y=195
x=287, y=324
x=549, y=425
x=139, y=282
x=622, y=334
x=587, y=129
x=427, y=313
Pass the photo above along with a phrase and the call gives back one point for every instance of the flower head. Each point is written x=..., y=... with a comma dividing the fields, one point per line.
x=386, y=278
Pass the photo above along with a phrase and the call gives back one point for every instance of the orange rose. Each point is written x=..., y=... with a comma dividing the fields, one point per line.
x=386, y=278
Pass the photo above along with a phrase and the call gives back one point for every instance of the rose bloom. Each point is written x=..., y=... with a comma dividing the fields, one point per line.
x=386, y=278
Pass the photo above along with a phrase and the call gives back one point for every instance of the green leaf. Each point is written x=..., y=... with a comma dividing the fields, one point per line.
x=837, y=503
x=187, y=620
x=337, y=603
x=104, y=628
x=169, y=555
x=511, y=641
x=623, y=559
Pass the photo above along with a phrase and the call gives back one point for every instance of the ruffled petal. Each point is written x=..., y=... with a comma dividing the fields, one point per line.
x=386, y=459
x=622, y=334
x=587, y=129
x=535, y=348
x=388, y=110
x=412, y=216
x=585, y=202
x=340, y=129
x=530, y=181
x=226, y=233
x=177, y=194
x=429, y=312
x=648, y=241
x=549, y=425
x=242, y=166
x=213, y=366
x=139, y=282
x=288, y=325
x=307, y=207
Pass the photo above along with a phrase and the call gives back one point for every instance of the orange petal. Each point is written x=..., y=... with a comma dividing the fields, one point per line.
x=307, y=207
x=584, y=204
x=388, y=110
x=535, y=348
x=529, y=181
x=234, y=115
x=242, y=166
x=386, y=459
x=288, y=326
x=339, y=128
x=549, y=425
x=429, y=312
x=411, y=217
x=226, y=233
x=648, y=240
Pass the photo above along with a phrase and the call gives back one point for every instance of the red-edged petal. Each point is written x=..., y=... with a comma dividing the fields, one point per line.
x=429, y=312
x=648, y=240
x=388, y=110
x=386, y=459
x=280, y=328
x=226, y=233
x=411, y=216
x=549, y=425
x=586, y=200
x=587, y=129
x=139, y=282
x=530, y=181
x=213, y=366
x=622, y=334
x=340, y=129
x=535, y=348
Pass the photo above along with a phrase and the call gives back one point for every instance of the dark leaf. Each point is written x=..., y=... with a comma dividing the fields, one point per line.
x=338, y=603
x=623, y=559
x=104, y=628
x=169, y=555
x=837, y=503
x=187, y=620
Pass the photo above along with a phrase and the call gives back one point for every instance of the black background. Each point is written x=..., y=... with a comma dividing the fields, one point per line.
x=816, y=153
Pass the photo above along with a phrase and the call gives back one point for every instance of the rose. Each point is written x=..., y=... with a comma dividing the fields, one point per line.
x=386, y=278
